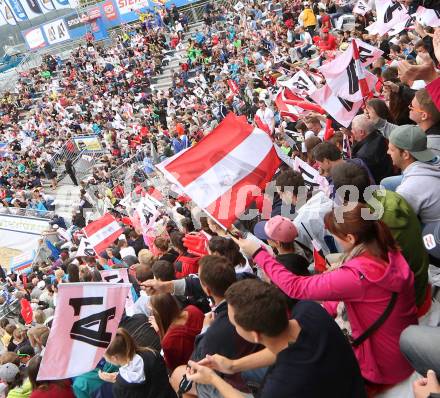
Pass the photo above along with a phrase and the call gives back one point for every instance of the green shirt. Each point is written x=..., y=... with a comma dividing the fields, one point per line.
x=24, y=391
x=405, y=227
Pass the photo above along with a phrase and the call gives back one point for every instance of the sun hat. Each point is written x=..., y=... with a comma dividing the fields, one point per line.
x=8, y=372
x=278, y=228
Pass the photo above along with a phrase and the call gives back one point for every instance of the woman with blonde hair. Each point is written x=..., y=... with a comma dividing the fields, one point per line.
x=142, y=372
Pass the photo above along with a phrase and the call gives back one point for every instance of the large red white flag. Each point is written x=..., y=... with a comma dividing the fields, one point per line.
x=103, y=232
x=86, y=318
x=341, y=74
x=226, y=169
x=285, y=109
x=389, y=14
x=342, y=110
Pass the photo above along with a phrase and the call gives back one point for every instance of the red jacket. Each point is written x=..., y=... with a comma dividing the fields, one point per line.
x=178, y=342
x=329, y=44
x=185, y=265
x=54, y=390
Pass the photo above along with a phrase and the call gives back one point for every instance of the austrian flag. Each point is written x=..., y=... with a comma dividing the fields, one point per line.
x=103, y=232
x=226, y=169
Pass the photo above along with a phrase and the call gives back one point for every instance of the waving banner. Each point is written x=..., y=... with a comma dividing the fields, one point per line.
x=300, y=84
x=222, y=172
x=18, y=10
x=428, y=16
x=361, y=7
x=32, y=8
x=342, y=74
x=6, y=13
x=120, y=275
x=342, y=110
x=103, y=232
x=389, y=14
x=86, y=318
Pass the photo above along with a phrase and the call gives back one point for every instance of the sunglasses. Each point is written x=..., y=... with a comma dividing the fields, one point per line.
x=416, y=109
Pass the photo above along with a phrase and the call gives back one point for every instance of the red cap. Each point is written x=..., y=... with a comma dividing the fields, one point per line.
x=280, y=229
x=325, y=30
x=433, y=89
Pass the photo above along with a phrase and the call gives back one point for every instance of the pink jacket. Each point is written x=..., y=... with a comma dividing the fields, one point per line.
x=364, y=284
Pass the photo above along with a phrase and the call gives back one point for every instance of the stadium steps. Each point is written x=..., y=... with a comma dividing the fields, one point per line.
x=163, y=81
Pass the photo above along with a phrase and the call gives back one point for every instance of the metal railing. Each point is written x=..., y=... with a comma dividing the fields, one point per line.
x=119, y=171
x=30, y=61
x=68, y=151
x=27, y=212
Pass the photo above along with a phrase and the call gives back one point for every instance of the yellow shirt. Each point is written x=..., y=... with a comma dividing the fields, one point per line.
x=309, y=18
x=5, y=340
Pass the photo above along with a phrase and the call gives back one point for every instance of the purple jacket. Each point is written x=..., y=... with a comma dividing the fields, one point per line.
x=364, y=284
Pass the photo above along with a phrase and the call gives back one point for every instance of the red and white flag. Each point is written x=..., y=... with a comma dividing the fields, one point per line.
x=342, y=110
x=341, y=74
x=286, y=109
x=261, y=125
x=360, y=72
x=86, y=318
x=233, y=86
x=103, y=232
x=226, y=169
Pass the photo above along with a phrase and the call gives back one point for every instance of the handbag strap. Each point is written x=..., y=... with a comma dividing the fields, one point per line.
x=377, y=324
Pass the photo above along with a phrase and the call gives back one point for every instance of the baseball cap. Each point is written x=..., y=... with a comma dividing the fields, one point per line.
x=41, y=285
x=431, y=239
x=278, y=228
x=412, y=139
x=8, y=372
x=26, y=351
x=324, y=30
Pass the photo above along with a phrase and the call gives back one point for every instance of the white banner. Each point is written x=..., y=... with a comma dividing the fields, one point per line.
x=428, y=16
x=343, y=111
x=120, y=275
x=6, y=13
x=86, y=318
x=341, y=76
x=56, y=31
x=361, y=7
x=19, y=235
x=389, y=14
x=300, y=84
x=34, y=38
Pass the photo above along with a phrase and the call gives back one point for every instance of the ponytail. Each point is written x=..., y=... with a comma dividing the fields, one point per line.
x=122, y=345
x=384, y=239
x=374, y=233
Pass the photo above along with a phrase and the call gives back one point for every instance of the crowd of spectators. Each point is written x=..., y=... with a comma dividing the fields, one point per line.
x=255, y=310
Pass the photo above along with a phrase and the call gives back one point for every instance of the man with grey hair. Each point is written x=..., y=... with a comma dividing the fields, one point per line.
x=371, y=147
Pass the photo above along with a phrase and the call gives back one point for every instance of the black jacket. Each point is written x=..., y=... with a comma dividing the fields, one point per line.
x=156, y=384
x=373, y=151
x=222, y=338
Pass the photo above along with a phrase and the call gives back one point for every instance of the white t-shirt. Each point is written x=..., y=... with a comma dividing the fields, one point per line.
x=267, y=117
x=127, y=251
